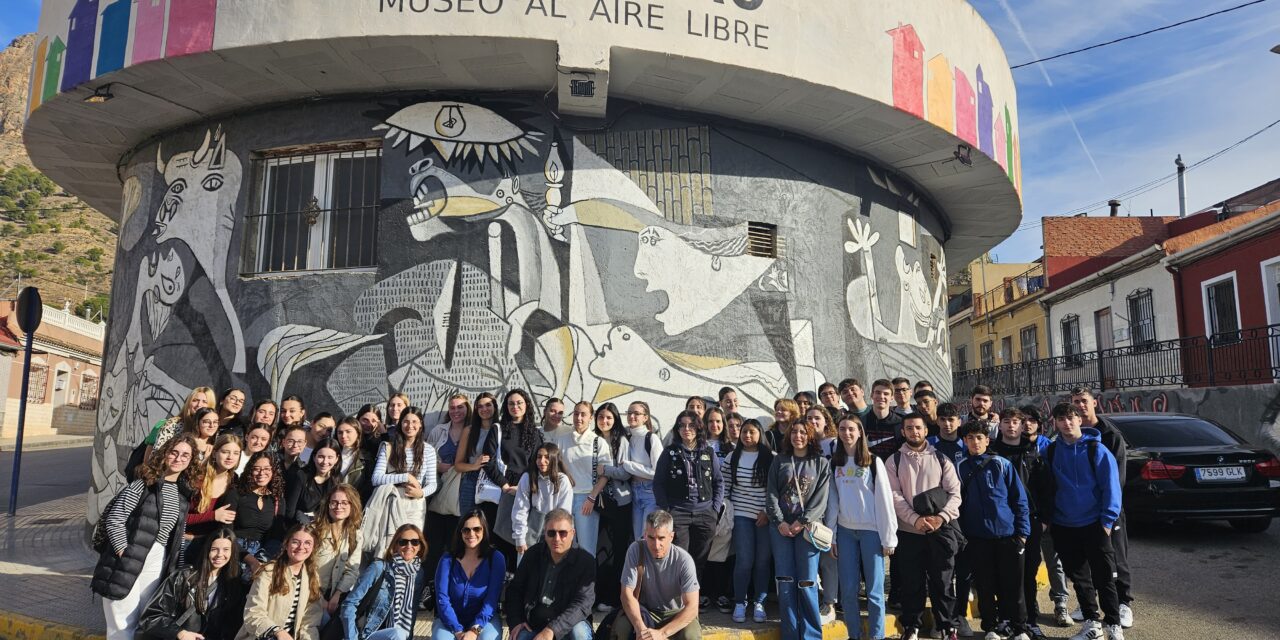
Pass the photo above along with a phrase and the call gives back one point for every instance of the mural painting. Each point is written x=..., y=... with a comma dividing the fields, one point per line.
x=662, y=258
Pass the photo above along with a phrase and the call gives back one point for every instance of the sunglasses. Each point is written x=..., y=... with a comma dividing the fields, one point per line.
x=475, y=530
x=409, y=542
x=557, y=533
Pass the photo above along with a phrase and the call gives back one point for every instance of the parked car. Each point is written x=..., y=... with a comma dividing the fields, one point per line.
x=1184, y=467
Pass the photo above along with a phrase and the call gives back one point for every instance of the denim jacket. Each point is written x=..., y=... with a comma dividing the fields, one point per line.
x=382, y=604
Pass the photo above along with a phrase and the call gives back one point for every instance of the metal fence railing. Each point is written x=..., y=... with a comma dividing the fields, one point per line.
x=1247, y=356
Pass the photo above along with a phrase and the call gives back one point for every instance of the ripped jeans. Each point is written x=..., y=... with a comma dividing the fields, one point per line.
x=795, y=563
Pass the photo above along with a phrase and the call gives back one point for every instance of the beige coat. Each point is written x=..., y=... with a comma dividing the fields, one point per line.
x=265, y=610
x=338, y=568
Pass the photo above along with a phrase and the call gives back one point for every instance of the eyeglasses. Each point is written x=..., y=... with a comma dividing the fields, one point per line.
x=409, y=542
x=235, y=400
x=339, y=503
x=180, y=455
x=475, y=530
x=557, y=533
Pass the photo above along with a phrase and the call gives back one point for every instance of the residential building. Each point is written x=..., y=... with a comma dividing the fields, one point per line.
x=1006, y=325
x=66, y=369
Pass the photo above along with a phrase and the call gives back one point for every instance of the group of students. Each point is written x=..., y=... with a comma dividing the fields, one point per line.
x=268, y=525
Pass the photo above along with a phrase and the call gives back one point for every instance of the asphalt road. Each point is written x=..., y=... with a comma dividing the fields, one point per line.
x=1198, y=581
x=47, y=475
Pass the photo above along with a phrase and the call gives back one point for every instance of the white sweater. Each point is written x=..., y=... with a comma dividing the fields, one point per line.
x=855, y=504
x=639, y=464
x=544, y=502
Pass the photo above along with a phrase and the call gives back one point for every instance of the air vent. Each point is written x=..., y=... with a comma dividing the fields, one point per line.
x=762, y=239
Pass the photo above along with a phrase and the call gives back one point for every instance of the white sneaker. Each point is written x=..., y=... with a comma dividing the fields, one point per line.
x=1090, y=630
x=1077, y=615
x=1060, y=615
x=963, y=629
x=1126, y=616
x=740, y=612
x=757, y=613
x=992, y=635
x=1115, y=632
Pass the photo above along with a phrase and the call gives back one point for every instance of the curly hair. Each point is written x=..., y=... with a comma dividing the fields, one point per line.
x=275, y=487
x=156, y=466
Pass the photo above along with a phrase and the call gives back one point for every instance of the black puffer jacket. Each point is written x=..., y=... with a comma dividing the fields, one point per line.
x=220, y=620
x=113, y=577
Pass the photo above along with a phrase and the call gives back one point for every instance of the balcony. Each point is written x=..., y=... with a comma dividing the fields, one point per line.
x=1013, y=289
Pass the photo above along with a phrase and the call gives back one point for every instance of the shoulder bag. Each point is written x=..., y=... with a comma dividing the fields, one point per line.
x=819, y=535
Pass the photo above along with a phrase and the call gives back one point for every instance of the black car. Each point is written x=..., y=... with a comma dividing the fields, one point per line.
x=1184, y=467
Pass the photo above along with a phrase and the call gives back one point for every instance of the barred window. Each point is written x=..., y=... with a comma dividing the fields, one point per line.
x=315, y=208
x=1030, y=348
x=1071, y=335
x=1142, y=318
x=38, y=383
x=88, y=393
x=986, y=351
x=962, y=358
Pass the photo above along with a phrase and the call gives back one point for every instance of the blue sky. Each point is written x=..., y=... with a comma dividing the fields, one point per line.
x=1099, y=123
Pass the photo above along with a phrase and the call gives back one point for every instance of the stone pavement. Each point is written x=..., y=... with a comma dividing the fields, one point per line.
x=45, y=566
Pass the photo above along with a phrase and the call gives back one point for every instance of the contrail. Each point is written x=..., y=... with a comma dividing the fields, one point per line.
x=1022, y=34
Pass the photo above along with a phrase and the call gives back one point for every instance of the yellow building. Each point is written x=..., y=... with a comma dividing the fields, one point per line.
x=1005, y=323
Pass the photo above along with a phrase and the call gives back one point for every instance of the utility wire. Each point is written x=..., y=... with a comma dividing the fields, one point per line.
x=1137, y=35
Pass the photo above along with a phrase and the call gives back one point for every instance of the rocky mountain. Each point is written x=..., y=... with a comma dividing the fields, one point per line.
x=48, y=237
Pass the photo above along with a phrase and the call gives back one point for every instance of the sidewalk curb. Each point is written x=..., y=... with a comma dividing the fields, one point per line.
x=20, y=627
x=70, y=442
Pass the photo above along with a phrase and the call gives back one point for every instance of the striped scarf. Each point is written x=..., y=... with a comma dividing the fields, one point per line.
x=404, y=575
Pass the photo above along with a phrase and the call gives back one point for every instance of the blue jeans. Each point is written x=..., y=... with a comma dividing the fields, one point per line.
x=580, y=631
x=488, y=632
x=753, y=549
x=467, y=492
x=588, y=527
x=642, y=504
x=795, y=563
x=861, y=554
x=390, y=634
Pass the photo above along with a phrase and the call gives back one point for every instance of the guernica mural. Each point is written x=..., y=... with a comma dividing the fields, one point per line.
x=659, y=257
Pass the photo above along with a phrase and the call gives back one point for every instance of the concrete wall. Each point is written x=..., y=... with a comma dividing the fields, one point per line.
x=1114, y=295
x=512, y=252
x=1251, y=412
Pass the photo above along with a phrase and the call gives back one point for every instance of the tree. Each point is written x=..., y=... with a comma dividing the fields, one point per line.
x=94, y=254
x=95, y=307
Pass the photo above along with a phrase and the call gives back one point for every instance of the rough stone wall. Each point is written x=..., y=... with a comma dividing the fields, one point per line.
x=515, y=252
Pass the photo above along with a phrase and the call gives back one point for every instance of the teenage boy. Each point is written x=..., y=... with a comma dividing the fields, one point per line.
x=852, y=394
x=927, y=405
x=881, y=424
x=1023, y=453
x=1082, y=398
x=901, y=396
x=996, y=521
x=949, y=443
x=928, y=538
x=948, y=440
x=1081, y=501
x=980, y=410
x=829, y=396
x=923, y=385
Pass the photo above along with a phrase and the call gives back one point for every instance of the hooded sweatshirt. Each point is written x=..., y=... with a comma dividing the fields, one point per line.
x=994, y=502
x=862, y=500
x=914, y=472
x=1085, y=489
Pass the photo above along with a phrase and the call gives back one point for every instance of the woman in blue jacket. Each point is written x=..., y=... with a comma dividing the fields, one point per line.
x=469, y=584
x=400, y=579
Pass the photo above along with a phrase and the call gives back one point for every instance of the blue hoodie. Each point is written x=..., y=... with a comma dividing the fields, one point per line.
x=1085, y=491
x=953, y=449
x=993, y=501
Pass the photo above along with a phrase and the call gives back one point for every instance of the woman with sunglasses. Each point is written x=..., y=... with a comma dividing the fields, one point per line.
x=338, y=546
x=144, y=526
x=231, y=412
x=469, y=584
x=284, y=601
x=210, y=589
x=400, y=581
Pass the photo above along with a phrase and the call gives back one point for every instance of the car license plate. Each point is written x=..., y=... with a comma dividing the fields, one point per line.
x=1219, y=474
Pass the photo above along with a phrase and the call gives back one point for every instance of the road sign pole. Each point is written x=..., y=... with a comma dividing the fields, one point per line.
x=22, y=420
x=30, y=312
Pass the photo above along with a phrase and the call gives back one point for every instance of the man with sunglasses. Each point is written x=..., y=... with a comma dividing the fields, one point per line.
x=551, y=595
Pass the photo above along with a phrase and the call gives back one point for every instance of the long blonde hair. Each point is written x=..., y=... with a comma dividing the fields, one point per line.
x=187, y=413
x=279, y=568
x=210, y=471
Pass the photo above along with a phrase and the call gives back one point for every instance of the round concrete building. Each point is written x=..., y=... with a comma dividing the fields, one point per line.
x=603, y=200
